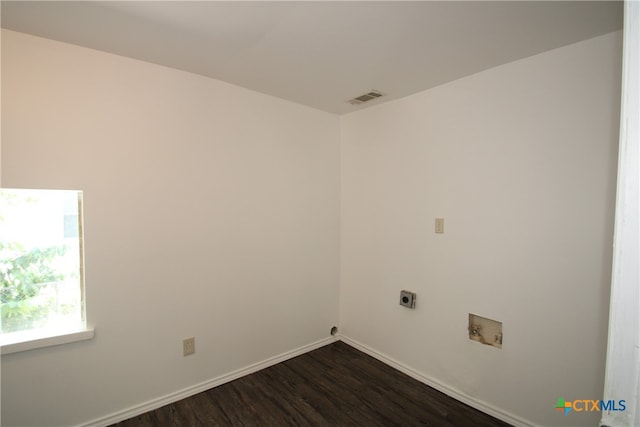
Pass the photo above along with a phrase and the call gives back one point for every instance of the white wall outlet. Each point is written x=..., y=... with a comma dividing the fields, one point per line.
x=408, y=299
x=439, y=225
x=188, y=346
x=485, y=331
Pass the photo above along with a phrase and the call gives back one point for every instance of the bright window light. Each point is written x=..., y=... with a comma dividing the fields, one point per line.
x=41, y=263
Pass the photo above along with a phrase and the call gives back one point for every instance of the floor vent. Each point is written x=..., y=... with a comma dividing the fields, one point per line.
x=365, y=98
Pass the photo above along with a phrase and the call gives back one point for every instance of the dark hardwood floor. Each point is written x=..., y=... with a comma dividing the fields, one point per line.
x=335, y=385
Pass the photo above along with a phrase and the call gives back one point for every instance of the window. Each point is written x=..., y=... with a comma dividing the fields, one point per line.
x=41, y=264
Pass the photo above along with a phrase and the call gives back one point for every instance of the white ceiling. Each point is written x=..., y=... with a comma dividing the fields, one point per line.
x=320, y=53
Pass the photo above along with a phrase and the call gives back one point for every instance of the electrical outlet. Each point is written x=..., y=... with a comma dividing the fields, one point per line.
x=408, y=299
x=188, y=346
x=439, y=225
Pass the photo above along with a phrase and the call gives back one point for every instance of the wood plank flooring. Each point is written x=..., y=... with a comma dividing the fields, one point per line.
x=335, y=385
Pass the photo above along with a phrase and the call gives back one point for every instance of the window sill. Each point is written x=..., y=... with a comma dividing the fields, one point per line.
x=32, y=340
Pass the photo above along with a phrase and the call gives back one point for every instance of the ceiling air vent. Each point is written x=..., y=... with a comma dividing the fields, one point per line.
x=365, y=98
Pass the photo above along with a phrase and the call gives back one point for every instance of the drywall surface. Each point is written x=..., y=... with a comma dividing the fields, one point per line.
x=520, y=161
x=210, y=211
x=622, y=379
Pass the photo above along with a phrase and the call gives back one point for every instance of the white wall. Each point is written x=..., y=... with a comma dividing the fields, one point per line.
x=622, y=379
x=210, y=211
x=213, y=211
x=520, y=160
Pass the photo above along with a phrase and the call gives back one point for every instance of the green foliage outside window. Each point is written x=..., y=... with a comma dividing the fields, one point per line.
x=23, y=278
x=40, y=256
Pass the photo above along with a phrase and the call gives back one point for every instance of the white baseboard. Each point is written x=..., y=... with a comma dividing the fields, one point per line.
x=456, y=394
x=214, y=382
x=203, y=386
